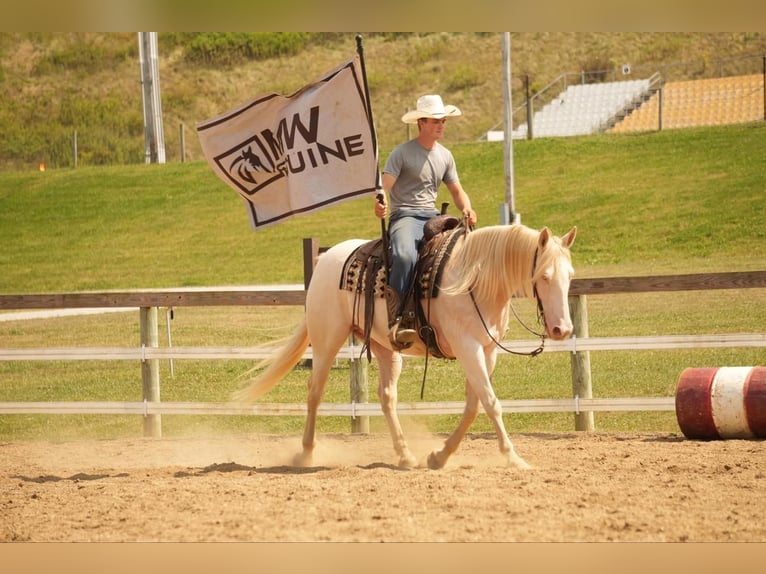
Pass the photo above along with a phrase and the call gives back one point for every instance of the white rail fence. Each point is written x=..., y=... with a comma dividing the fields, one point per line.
x=582, y=404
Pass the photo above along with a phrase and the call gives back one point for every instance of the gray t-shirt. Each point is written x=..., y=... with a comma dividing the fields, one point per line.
x=419, y=172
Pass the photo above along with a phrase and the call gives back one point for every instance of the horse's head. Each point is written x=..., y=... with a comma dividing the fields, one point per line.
x=552, y=275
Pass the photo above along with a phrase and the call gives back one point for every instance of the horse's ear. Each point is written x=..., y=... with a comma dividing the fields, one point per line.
x=545, y=235
x=569, y=238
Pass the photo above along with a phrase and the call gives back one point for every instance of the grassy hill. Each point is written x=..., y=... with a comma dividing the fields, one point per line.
x=53, y=84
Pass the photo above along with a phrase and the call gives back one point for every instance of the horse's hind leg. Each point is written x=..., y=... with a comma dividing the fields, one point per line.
x=315, y=391
x=319, y=373
x=390, y=367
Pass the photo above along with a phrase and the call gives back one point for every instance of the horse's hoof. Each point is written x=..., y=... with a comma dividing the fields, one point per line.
x=520, y=463
x=408, y=461
x=303, y=459
x=433, y=461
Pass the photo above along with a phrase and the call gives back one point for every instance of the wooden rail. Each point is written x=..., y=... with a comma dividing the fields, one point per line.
x=148, y=408
x=188, y=297
x=655, y=283
x=227, y=296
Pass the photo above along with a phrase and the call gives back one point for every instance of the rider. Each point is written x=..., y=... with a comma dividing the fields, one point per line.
x=411, y=179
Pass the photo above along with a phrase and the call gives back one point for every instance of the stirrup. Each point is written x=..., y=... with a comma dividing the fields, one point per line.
x=401, y=338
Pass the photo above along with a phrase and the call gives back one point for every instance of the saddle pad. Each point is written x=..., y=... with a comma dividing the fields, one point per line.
x=431, y=260
x=363, y=267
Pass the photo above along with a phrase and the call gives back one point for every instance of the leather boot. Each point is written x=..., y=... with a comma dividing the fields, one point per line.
x=401, y=328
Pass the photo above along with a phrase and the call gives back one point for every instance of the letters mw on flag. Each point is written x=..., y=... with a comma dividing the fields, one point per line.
x=288, y=155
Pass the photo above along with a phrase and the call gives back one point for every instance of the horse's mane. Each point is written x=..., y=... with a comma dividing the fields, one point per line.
x=496, y=262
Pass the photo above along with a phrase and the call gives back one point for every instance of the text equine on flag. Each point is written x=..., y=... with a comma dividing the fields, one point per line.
x=295, y=154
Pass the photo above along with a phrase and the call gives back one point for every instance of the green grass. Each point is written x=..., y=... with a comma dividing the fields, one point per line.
x=673, y=202
x=679, y=199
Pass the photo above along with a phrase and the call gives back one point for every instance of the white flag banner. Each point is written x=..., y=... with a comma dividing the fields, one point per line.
x=288, y=155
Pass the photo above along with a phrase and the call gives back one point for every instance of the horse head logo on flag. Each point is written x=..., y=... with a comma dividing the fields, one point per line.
x=247, y=165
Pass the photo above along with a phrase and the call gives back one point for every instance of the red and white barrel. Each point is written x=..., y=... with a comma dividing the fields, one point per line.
x=723, y=402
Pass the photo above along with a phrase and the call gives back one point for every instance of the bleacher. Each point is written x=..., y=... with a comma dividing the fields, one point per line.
x=633, y=105
x=707, y=102
x=586, y=108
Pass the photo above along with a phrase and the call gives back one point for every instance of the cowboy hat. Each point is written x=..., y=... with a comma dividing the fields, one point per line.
x=430, y=106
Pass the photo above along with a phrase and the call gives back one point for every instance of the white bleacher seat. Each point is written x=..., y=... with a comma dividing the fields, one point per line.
x=584, y=108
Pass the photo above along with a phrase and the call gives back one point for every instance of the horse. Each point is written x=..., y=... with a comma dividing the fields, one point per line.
x=487, y=267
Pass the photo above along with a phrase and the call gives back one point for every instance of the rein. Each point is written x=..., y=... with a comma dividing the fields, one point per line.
x=540, y=316
x=497, y=343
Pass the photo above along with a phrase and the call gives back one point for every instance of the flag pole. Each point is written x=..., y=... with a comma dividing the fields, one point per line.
x=380, y=196
x=360, y=51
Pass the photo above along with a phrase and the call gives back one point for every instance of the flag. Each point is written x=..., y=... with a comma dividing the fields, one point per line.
x=288, y=155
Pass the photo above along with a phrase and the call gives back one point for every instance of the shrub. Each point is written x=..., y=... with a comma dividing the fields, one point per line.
x=463, y=76
x=84, y=56
x=229, y=48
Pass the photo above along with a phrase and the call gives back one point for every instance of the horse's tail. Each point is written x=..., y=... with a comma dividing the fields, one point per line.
x=277, y=366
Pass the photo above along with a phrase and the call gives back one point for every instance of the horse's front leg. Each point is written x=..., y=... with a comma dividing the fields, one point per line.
x=495, y=413
x=390, y=367
x=479, y=365
x=438, y=458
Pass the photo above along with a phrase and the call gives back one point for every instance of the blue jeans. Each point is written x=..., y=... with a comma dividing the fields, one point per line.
x=405, y=231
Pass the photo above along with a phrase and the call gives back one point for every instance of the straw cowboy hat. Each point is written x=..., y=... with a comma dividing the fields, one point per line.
x=430, y=107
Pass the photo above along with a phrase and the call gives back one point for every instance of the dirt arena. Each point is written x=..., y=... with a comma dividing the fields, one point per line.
x=584, y=487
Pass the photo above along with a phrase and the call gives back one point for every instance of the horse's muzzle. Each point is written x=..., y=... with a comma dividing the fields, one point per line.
x=560, y=332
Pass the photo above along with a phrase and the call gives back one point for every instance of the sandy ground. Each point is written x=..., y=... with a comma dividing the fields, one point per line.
x=584, y=487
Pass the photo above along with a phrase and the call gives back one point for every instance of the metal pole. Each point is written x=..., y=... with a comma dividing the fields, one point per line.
x=74, y=147
x=764, y=86
x=530, y=111
x=508, y=211
x=407, y=129
x=154, y=138
x=169, y=313
x=182, y=139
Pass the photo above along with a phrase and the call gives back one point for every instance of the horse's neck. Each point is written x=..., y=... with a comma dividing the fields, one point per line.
x=496, y=261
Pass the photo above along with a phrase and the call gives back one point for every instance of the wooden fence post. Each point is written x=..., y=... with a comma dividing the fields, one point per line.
x=150, y=370
x=359, y=388
x=310, y=254
x=581, y=381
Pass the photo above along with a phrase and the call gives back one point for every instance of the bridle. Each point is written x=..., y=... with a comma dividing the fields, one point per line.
x=540, y=318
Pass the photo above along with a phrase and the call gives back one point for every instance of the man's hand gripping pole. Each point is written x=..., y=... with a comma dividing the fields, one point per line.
x=383, y=233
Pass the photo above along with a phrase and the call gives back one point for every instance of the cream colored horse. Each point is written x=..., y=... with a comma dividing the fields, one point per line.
x=488, y=265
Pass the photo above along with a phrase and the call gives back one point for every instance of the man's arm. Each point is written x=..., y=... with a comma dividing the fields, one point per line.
x=462, y=201
x=381, y=208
